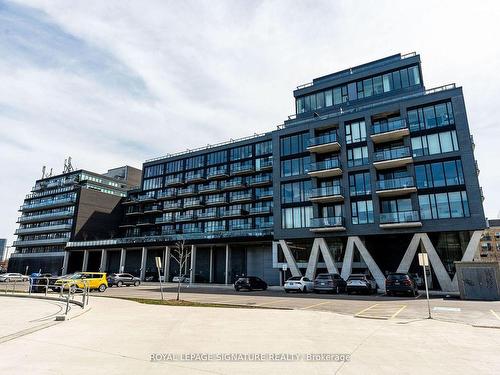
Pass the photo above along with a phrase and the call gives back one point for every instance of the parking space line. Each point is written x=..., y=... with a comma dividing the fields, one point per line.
x=495, y=314
x=368, y=308
x=317, y=304
x=379, y=311
x=397, y=312
x=270, y=303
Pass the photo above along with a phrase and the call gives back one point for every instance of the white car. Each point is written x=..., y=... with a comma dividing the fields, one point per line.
x=299, y=284
x=182, y=279
x=6, y=277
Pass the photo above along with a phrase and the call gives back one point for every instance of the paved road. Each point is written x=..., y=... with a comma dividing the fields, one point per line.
x=376, y=306
x=118, y=336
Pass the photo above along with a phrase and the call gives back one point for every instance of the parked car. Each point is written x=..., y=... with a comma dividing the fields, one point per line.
x=120, y=279
x=298, y=284
x=250, y=283
x=400, y=283
x=360, y=283
x=53, y=279
x=95, y=280
x=182, y=279
x=329, y=282
x=11, y=276
x=39, y=282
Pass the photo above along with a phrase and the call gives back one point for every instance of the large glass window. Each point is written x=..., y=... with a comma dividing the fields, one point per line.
x=217, y=157
x=434, y=143
x=296, y=217
x=355, y=132
x=432, y=116
x=362, y=212
x=195, y=162
x=294, y=192
x=264, y=148
x=294, y=167
x=360, y=183
x=294, y=144
x=153, y=171
x=152, y=183
x=357, y=156
x=241, y=152
x=444, y=205
x=175, y=166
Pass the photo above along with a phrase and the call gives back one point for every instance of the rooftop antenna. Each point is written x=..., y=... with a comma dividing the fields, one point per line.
x=43, y=171
x=67, y=165
x=50, y=173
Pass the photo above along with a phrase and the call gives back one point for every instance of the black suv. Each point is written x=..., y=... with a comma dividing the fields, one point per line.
x=249, y=283
x=120, y=279
x=400, y=283
x=329, y=282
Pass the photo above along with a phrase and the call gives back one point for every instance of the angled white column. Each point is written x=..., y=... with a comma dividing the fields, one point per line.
x=143, y=263
x=102, y=267
x=407, y=260
x=320, y=244
x=469, y=253
x=348, y=257
x=290, y=260
x=192, y=268
x=65, y=263
x=122, y=260
x=437, y=265
x=85, y=260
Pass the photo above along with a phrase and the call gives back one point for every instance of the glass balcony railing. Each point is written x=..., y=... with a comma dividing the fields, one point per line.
x=389, y=126
x=324, y=165
x=327, y=222
x=51, y=215
x=173, y=180
x=208, y=215
x=46, y=228
x=234, y=212
x=242, y=168
x=48, y=203
x=260, y=210
x=195, y=177
x=242, y=226
x=323, y=140
x=219, y=172
x=41, y=241
x=154, y=208
x=395, y=153
x=241, y=197
x=327, y=191
x=191, y=230
x=399, y=217
x=133, y=211
x=261, y=180
x=164, y=220
x=396, y=183
x=186, y=217
x=191, y=190
x=213, y=186
x=146, y=198
x=264, y=164
x=193, y=203
x=235, y=184
x=216, y=200
x=172, y=206
x=167, y=194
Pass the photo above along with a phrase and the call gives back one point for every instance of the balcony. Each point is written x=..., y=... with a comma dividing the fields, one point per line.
x=208, y=215
x=191, y=190
x=217, y=173
x=169, y=194
x=45, y=229
x=164, y=220
x=242, y=226
x=395, y=187
x=240, y=169
x=327, y=168
x=152, y=209
x=195, y=177
x=265, y=164
x=129, y=201
x=262, y=210
x=392, y=158
x=241, y=197
x=234, y=212
x=144, y=222
x=327, y=224
x=187, y=216
x=48, y=204
x=324, y=143
x=390, y=131
x=234, y=185
x=261, y=181
x=402, y=219
x=192, y=203
x=327, y=194
x=264, y=194
x=209, y=188
x=133, y=211
x=45, y=217
x=146, y=198
x=213, y=201
x=191, y=230
x=41, y=242
x=174, y=181
x=172, y=206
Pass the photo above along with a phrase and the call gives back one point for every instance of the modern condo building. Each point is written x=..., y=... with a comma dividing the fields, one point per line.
x=371, y=169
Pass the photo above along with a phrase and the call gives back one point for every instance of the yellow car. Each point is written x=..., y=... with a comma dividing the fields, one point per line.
x=94, y=280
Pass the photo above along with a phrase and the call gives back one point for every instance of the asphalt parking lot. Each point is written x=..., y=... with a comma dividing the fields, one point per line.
x=379, y=306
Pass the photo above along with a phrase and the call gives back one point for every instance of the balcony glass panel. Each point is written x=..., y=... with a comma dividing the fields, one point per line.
x=399, y=217
x=323, y=222
x=395, y=153
x=384, y=127
x=396, y=183
x=323, y=139
x=324, y=165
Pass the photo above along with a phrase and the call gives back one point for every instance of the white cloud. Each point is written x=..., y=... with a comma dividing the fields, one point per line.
x=118, y=82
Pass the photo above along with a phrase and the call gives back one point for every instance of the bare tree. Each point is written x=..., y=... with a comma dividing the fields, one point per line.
x=180, y=254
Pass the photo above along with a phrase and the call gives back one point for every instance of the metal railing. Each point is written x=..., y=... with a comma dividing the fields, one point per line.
x=394, y=153
x=324, y=165
x=389, y=126
x=399, y=217
x=325, y=222
x=323, y=140
x=327, y=191
x=396, y=183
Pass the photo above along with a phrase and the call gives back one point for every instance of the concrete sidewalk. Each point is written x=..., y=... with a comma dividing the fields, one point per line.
x=119, y=336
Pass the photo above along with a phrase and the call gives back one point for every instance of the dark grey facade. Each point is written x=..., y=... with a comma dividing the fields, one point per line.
x=372, y=162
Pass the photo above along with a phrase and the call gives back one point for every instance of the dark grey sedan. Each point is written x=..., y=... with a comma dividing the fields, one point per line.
x=120, y=279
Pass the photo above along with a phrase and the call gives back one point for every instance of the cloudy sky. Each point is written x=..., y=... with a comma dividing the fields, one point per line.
x=118, y=82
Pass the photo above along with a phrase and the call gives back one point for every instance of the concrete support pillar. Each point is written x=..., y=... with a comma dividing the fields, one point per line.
x=65, y=263
x=122, y=261
x=85, y=260
x=228, y=265
x=102, y=267
x=211, y=266
x=166, y=263
x=143, y=263
x=192, y=269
